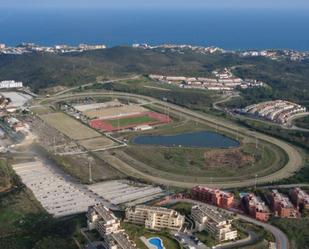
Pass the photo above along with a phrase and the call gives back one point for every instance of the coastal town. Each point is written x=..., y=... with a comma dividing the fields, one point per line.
x=274, y=54
x=57, y=49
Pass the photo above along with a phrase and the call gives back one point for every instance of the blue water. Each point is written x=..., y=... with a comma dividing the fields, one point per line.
x=195, y=139
x=230, y=29
x=157, y=242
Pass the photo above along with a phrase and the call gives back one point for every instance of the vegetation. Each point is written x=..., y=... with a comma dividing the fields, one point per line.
x=296, y=230
x=302, y=122
x=24, y=224
x=183, y=208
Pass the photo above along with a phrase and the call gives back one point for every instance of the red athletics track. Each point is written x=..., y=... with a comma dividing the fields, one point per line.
x=100, y=124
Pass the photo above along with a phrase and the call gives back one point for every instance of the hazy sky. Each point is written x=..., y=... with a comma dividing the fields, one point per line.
x=162, y=3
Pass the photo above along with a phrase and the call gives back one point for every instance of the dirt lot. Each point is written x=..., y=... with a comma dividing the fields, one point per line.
x=227, y=158
x=97, y=143
x=104, y=113
x=69, y=126
x=78, y=167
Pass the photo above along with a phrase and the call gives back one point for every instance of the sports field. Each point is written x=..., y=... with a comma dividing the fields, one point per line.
x=130, y=121
x=127, y=122
x=69, y=126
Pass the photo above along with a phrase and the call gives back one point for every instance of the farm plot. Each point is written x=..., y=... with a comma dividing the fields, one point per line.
x=69, y=126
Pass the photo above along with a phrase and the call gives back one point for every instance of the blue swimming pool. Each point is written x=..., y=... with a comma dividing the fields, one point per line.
x=156, y=242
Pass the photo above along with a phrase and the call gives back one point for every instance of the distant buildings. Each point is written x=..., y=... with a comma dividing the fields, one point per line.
x=108, y=226
x=217, y=224
x=299, y=198
x=279, y=111
x=155, y=218
x=10, y=84
x=31, y=48
x=215, y=197
x=223, y=80
x=282, y=206
x=255, y=207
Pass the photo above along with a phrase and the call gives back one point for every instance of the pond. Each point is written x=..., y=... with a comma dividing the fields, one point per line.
x=198, y=139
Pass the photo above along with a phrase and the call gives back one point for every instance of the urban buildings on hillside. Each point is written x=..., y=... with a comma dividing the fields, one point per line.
x=279, y=111
x=155, y=218
x=215, y=197
x=217, y=224
x=299, y=198
x=281, y=205
x=222, y=80
x=5, y=84
x=108, y=225
x=255, y=207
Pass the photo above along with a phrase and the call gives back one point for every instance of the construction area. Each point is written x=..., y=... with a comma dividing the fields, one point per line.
x=58, y=195
x=127, y=193
x=61, y=196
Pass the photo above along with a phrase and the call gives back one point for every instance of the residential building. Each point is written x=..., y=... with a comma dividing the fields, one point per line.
x=255, y=207
x=108, y=225
x=216, y=223
x=155, y=218
x=10, y=84
x=281, y=205
x=212, y=196
x=299, y=198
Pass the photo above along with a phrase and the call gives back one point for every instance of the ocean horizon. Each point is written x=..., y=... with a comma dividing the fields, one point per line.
x=231, y=29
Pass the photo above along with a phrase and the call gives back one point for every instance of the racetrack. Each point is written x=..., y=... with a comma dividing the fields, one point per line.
x=293, y=164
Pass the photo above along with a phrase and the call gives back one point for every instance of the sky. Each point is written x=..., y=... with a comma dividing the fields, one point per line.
x=276, y=4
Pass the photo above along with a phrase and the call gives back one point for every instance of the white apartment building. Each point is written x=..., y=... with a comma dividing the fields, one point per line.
x=155, y=218
x=102, y=219
x=214, y=222
x=108, y=225
x=10, y=84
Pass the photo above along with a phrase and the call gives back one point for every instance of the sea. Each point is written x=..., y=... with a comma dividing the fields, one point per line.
x=231, y=29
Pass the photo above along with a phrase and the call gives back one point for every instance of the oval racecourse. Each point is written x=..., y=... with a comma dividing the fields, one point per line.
x=290, y=158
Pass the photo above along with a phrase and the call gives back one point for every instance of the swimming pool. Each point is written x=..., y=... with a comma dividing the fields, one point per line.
x=156, y=242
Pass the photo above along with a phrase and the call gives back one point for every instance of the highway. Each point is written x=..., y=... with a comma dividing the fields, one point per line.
x=293, y=164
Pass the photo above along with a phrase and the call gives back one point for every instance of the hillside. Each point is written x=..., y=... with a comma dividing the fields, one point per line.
x=287, y=79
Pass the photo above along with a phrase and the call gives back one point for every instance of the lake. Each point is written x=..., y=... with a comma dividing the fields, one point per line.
x=201, y=139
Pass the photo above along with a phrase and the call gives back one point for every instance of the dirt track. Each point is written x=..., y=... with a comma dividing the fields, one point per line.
x=293, y=164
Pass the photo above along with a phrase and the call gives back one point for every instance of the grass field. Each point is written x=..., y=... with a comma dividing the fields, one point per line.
x=130, y=121
x=178, y=163
x=69, y=126
x=135, y=232
x=97, y=143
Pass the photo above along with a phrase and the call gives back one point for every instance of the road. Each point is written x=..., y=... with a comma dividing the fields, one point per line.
x=294, y=162
x=281, y=239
